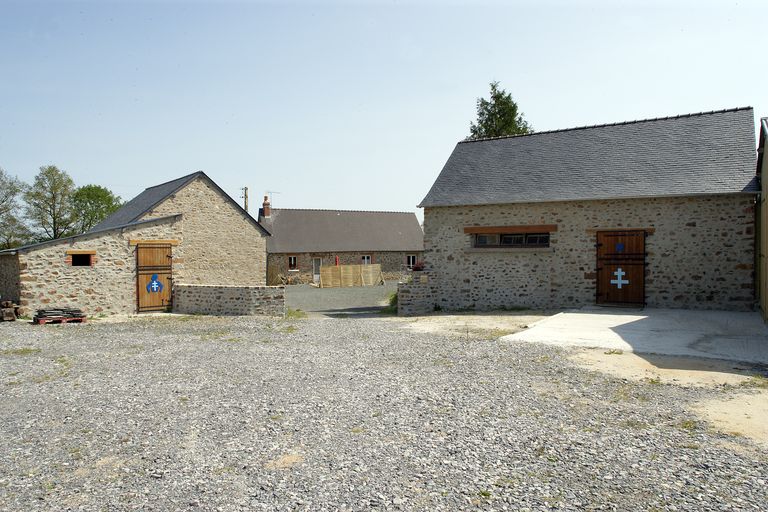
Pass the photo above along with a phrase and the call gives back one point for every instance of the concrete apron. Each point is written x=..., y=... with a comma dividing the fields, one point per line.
x=728, y=335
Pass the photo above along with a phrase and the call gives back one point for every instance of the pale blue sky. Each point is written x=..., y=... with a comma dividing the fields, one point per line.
x=352, y=105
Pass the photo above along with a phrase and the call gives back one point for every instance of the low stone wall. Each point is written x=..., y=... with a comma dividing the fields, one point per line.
x=229, y=300
x=9, y=278
x=417, y=296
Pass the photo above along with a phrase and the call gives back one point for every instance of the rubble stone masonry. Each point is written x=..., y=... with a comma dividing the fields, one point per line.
x=9, y=277
x=48, y=279
x=222, y=247
x=229, y=300
x=700, y=253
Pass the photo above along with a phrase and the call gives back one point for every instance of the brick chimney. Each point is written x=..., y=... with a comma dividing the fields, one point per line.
x=266, y=209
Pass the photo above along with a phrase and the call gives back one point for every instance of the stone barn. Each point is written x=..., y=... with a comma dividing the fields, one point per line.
x=657, y=212
x=184, y=232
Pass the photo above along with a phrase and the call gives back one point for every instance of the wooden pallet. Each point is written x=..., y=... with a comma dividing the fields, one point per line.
x=58, y=320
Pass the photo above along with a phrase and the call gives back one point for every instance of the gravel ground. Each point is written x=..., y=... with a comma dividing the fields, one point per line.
x=196, y=413
x=338, y=301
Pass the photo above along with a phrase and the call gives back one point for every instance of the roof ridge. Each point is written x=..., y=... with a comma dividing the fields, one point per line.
x=338, y=210
x=619, y=123
x=188, y=176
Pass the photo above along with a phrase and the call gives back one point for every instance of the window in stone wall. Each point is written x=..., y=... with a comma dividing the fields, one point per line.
x=511, y=240
x=81, y=258
x=410, y=260
x=293, y=263
x=366, y=259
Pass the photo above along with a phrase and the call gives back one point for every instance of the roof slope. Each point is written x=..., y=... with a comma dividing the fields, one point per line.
x=298, y=231
x=137, y=207
x=144, y=202
x=705, y=153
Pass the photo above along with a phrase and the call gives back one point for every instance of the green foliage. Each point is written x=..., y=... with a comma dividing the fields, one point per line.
x=498, y=116
x=92, y=204
x=12, y=231
x=391, y=307
x=293, y=314
x=49, y=203
x=756, y=381
x=27, y=351
x=10, y=187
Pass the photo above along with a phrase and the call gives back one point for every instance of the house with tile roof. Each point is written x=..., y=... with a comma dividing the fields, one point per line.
x=185, y=231
x=657, y=212
x=303, y=241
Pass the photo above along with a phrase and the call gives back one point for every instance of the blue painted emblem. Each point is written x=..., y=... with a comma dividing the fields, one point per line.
x=154, y=286
x=620, y=247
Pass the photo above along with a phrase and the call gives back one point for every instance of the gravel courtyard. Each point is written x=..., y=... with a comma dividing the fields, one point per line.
x=198, y=413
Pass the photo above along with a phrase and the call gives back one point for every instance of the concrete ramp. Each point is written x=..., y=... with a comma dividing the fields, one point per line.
x=726, y=335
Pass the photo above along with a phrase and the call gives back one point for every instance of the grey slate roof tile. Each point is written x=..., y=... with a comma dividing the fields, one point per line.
x=134, y=209
x=142, y=203
x=300, y=231
x=705, y=153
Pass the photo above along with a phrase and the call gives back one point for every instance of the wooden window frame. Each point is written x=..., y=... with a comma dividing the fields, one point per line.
x=295, y=267
x=408, y=264
x=531, y=235
x=370, y=259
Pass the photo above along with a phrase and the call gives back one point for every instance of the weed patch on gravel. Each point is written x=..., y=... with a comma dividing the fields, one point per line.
x=27, y=351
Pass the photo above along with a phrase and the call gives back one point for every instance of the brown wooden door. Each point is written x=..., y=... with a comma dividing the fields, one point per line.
x=154, y=277
x=621, y=267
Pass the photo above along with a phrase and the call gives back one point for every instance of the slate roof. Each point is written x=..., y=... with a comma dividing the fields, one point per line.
x=134, y=209
x=703, y=153
x=299, y=231
x=144, y=202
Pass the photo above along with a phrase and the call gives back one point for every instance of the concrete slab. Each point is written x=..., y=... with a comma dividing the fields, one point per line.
x=725, y=335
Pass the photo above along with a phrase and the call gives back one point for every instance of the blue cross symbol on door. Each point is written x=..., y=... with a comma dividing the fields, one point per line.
x=619, y=273
x=154, y=285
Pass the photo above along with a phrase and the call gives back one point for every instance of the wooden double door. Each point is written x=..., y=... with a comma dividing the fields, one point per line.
x=154, y=277
x=621, y=268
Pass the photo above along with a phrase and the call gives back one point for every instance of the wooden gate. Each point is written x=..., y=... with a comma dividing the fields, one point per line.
x=621, y=267
x=154, y=277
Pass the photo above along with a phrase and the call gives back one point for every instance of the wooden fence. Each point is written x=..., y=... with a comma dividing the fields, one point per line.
x=344, y=276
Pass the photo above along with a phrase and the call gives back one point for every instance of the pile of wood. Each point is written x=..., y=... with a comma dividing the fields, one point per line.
x=58, y=316
x=8, y=311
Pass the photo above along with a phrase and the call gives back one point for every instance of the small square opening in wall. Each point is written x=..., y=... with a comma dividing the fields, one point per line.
x=82, y=260
x=366, y=259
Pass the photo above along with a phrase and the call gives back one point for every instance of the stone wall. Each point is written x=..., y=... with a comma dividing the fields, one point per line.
x=229, y=300
x=393, y=264
x=416, y=296
x=9, y=278
x=48, y=278
x=221, y=245
x=700, y=253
